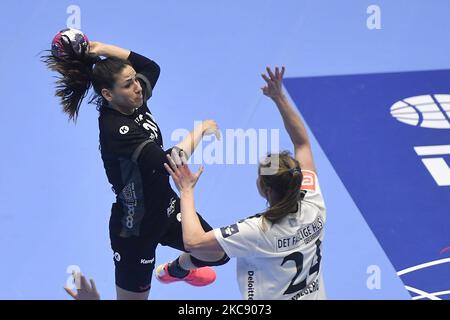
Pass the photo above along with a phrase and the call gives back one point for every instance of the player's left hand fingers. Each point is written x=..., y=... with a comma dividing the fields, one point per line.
x=84, y=283
x=169, y=170
x=176, y=157
x=173, y=174
x=93, y=286
x=266, y=78
x=183, y=158
x=71, y=293
x=172, y=164
x=282, y=72
x=199, y=173
x=272, y=76
x=184, y=168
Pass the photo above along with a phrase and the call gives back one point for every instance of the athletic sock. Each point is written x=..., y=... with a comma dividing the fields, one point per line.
x=175, y=270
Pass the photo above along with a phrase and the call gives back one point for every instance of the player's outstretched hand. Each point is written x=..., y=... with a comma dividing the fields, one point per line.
x=181, y=174
x=85, y=291
x=273, y=87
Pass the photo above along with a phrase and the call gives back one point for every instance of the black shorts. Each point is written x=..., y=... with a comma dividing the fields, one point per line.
x=134, y=257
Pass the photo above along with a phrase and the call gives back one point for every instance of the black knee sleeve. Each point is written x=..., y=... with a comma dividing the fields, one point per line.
x=200, y=263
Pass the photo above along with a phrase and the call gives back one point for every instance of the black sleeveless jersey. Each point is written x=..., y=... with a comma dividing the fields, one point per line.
x=132, y=151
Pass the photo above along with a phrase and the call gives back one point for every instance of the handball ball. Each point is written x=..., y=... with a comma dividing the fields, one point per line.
x=70, y=39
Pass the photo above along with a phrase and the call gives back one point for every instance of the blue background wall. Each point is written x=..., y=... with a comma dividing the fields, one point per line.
x=55, y=196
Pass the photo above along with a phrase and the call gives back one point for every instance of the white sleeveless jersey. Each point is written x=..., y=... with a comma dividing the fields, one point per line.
x=283, y=261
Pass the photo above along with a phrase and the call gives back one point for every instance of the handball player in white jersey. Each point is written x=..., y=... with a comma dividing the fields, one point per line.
x=278, y=251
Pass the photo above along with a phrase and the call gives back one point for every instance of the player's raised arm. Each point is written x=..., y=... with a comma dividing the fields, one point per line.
x=194, y=236
x=190, y=143
x=141, y=64
x=292, y=121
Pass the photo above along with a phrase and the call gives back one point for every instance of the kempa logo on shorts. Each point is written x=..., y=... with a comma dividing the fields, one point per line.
x=124, y=129
x=117, y=256
x=146, y=261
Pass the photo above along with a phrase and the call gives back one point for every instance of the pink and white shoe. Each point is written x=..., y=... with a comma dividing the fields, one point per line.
x=197, y=277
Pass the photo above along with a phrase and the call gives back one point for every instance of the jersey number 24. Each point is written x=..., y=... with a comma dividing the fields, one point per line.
x=297, y=257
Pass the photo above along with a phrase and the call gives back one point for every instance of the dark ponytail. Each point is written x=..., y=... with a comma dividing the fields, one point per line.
x=78, y=74
x=285, y=184
x=75, y=81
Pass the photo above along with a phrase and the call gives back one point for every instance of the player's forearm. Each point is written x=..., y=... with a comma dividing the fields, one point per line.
x=292, y=121
x=191, y=141
x=191, y=227
x=108, y=50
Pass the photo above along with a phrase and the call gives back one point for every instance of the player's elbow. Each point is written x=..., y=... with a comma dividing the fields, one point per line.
x=189, y=246
x=192, y=244
x=156, y=69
